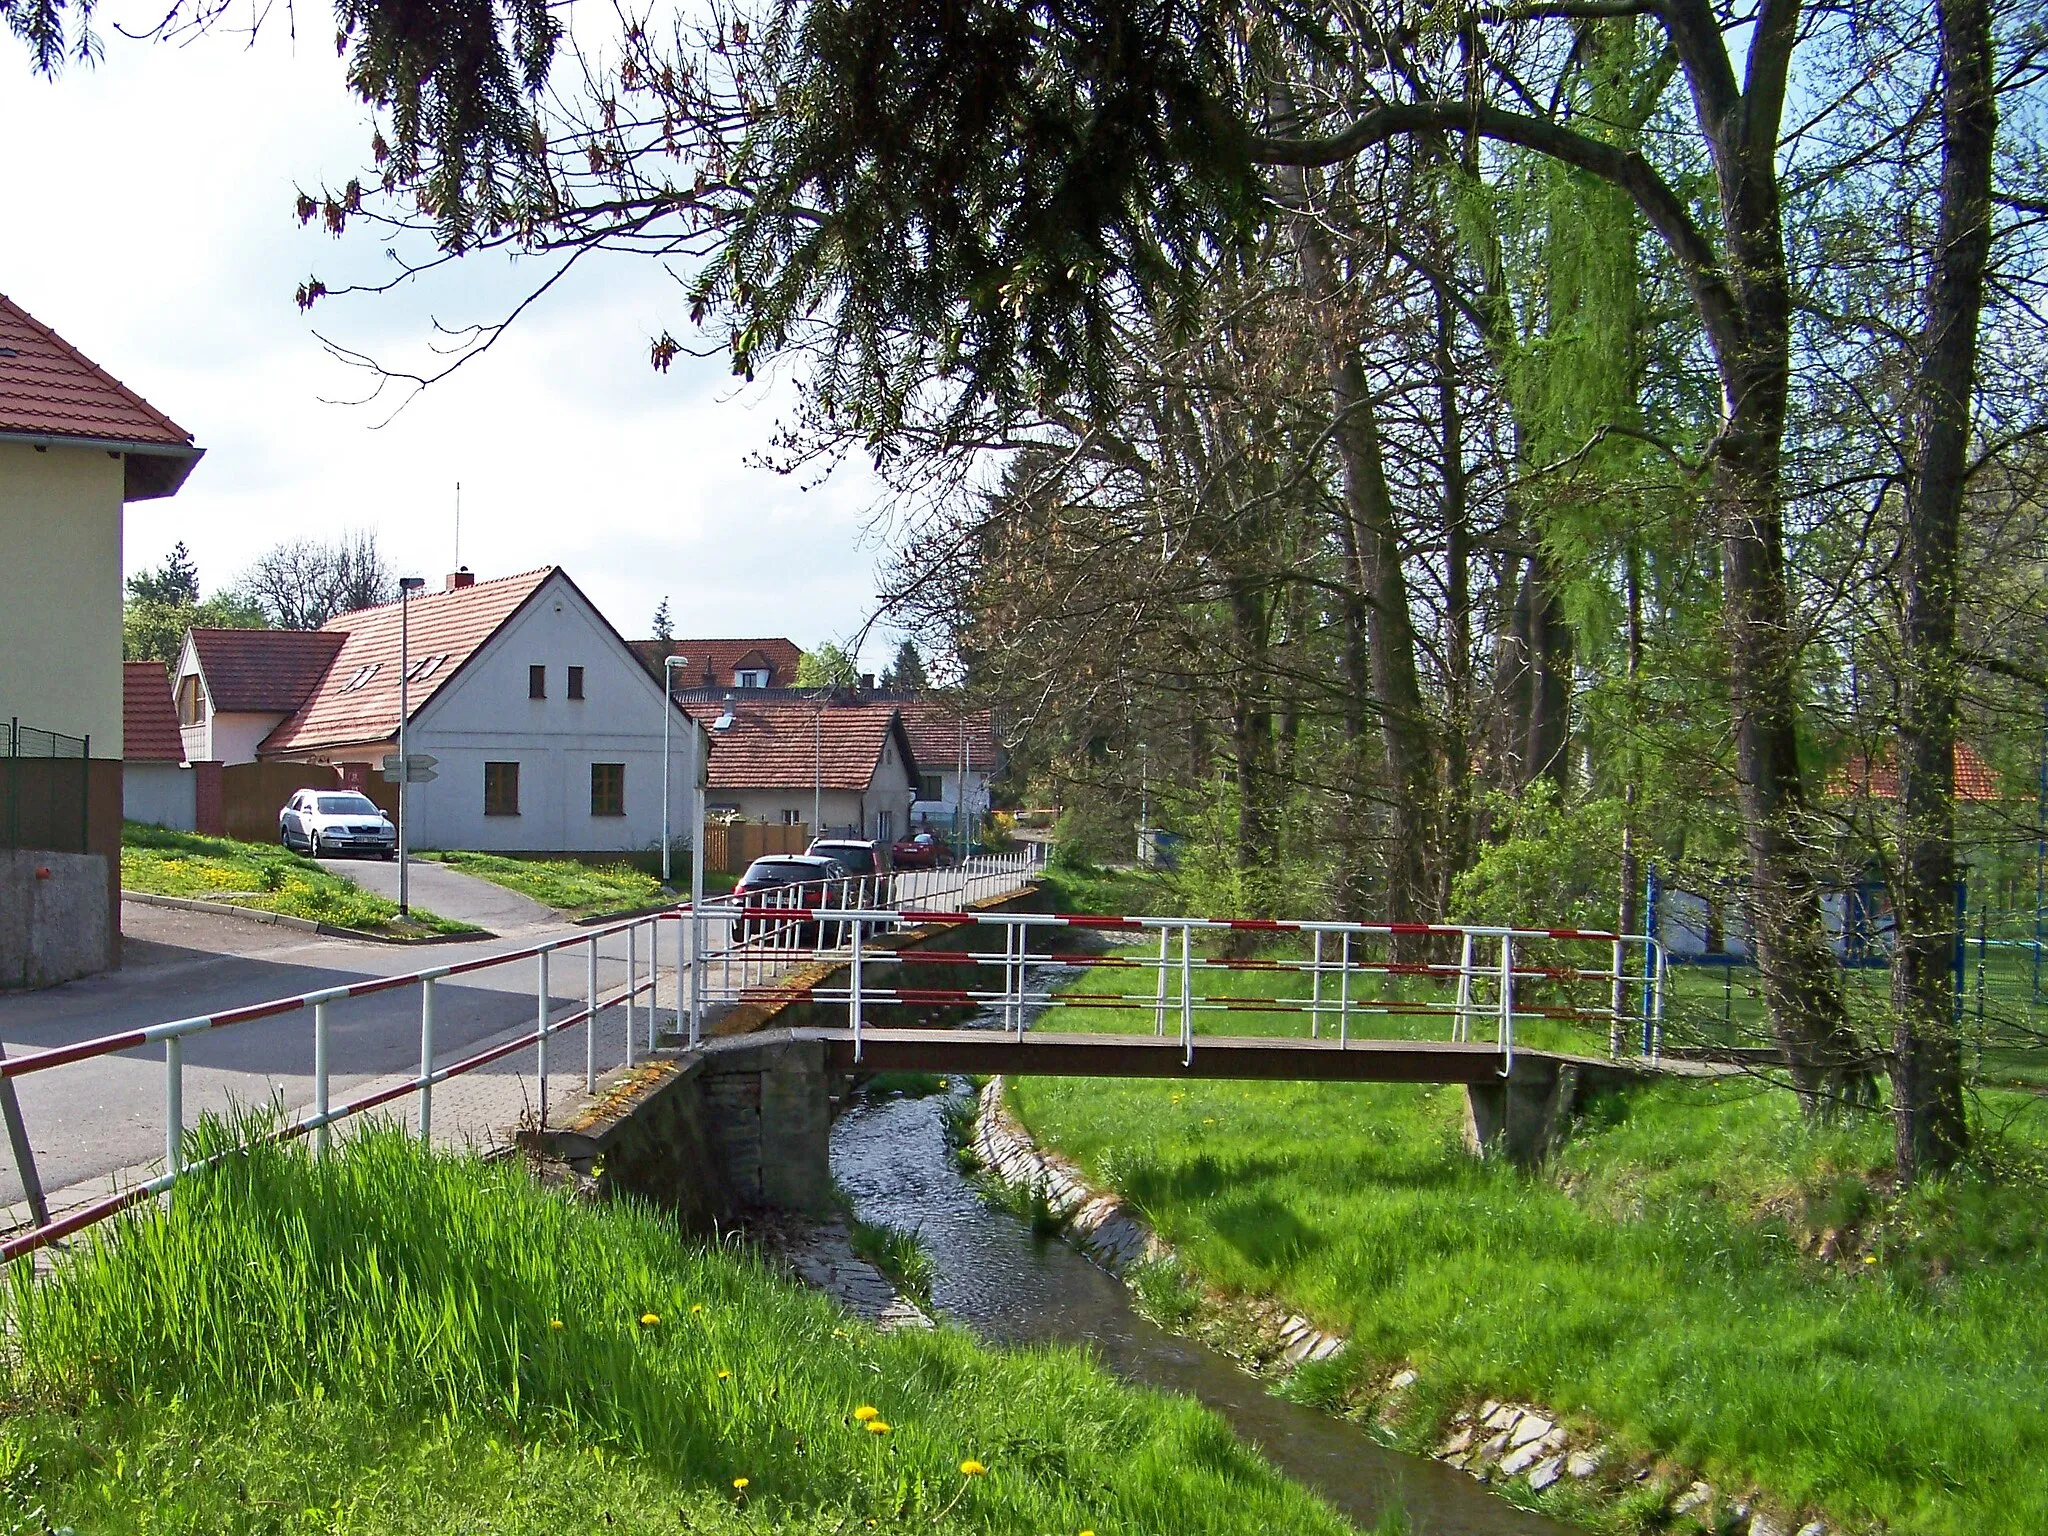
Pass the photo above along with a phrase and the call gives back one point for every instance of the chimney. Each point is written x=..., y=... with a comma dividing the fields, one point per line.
x=462, y=576
x=867, y=682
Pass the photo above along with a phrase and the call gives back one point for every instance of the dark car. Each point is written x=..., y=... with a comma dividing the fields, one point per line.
x=817, y=882
x=922, y=850
x=867, y=863
x=326, y=822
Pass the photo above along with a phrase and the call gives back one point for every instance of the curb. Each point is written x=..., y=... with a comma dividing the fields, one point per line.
x=300, y=924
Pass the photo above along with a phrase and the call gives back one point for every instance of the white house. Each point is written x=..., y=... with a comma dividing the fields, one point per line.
x=773, y=759
x=956, y=759
x=545, y=727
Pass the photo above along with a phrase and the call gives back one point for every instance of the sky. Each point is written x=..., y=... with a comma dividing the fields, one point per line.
x=148, y=220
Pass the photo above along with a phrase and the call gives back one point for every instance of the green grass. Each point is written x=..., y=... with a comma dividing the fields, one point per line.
x=570, y=886
x=900, y=1256
x=369, y=1344
x=1661, y=1278
x=261, y=876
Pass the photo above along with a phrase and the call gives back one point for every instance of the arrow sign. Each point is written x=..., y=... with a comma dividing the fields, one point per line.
x=414, y=768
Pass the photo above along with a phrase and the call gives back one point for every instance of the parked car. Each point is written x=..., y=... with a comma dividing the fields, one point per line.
x=922, y=850
x=819, y=881
x=323, y=823
x=867, y=862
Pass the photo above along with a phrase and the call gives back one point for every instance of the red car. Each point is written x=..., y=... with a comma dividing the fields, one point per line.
x=922, y=850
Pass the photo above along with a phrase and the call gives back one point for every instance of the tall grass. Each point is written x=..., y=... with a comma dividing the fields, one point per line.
x=432, y=1314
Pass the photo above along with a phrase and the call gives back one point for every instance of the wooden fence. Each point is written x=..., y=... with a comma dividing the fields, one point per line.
x=730, y=846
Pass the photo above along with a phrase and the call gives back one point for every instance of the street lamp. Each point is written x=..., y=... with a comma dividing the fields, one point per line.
x=668, y=714
x=407, y=585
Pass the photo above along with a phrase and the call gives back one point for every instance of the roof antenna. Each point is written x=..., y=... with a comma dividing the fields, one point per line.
x=458, y=525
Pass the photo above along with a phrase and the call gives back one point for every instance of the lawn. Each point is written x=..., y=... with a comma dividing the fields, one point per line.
x=395, y=1341
x=570, y=886
x=1700, y=1272
x=261, y=876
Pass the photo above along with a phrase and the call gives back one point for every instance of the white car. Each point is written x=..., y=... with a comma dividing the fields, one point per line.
x=326, y=822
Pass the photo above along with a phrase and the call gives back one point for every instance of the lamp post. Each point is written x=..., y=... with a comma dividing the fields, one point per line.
x=668, y=714
x=1144, y=795
x=407, y=585
x=818, y=769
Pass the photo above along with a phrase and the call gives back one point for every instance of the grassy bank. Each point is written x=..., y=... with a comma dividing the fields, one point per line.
x=261, y=876
x=570, y=886
x=395, y=1342
x=1700, y=1273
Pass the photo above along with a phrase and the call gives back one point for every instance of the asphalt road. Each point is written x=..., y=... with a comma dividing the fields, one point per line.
x=91, y=1118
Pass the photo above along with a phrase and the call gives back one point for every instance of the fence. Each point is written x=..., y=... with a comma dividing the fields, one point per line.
x=730, y=846
x=45, y=790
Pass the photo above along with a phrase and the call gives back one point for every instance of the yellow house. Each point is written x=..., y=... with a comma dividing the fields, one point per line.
x=76, y=445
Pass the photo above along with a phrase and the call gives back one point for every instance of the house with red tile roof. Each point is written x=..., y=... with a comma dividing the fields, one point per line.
x=76, y=446
x=157, y=786
x=957, y=757
x=726, y=663
x=774, y=759
x=545, y=726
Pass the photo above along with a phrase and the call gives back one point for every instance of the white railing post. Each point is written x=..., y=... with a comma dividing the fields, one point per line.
x=590, y=1018
x=632, y=966
x=653, y=981
x=1344, y=994
x=1315, y=996
x=426, y=1060
x=853, y=989
x=174, y=1106
x=540, y=1034
x=1461, y=1027
x=1507, y=1001
x=1187, y=997
x=679, y=972
x=698, y=972
x=1616, y=1000
x=1159, y=1007
x=320, y=1081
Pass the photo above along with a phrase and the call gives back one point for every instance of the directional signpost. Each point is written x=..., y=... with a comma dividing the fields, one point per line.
x=419, y=768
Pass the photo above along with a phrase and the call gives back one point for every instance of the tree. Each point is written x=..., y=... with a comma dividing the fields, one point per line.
x=828, y=666
x=664, y=628
x=174, y=583
x=155, y=631
x=907, y=673
x=303, y=583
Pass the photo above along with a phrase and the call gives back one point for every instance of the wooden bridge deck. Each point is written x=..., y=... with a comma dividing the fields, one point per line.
x=1042, y=1053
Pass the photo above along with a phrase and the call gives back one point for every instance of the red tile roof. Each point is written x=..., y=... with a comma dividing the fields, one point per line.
x=263, y=671
x=774, y=745
x=356, y=701
x=1975, y=778
x=937, y=730
x=48, y=388
x=713, y=662
x=149, y=719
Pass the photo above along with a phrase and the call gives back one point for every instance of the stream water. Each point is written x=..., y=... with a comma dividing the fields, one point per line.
x=993, y=1276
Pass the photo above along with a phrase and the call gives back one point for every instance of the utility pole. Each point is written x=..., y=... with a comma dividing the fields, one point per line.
x=407, y=585
x=1144, y=795
x=668, y=714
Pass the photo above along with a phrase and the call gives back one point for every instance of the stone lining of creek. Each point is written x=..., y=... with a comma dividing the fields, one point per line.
x=1495, y=1441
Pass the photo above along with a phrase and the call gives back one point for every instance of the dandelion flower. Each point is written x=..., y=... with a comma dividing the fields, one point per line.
x=971, y=1468
x=649, y=1319
x=725, y=1375
x=696, y=1307
x=1870, y=1258
x=864, y=1413
x=739, y=1484
x=878, y=1427
x=554, y=1325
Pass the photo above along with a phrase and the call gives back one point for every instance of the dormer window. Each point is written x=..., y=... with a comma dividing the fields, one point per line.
x=750, y=678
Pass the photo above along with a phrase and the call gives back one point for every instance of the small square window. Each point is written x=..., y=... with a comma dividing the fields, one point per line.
x=536, y=682
x=501, y=789
x=607, y=789
x=575, y=682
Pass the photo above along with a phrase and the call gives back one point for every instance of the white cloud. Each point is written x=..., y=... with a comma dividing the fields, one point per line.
x=150, y=223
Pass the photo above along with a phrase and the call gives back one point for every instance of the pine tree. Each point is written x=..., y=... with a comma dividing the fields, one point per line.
x=907, y=675
x=664, y=627
x=174, y=583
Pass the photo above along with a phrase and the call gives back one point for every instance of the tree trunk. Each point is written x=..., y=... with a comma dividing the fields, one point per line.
x=1931, y=1131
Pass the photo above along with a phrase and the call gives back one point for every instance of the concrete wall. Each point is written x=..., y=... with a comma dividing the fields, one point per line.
x=484, y=715
x=161, y=794
x=60, y=591
x=56, y=921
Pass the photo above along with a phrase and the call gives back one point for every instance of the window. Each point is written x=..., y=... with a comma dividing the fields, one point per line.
x=350, y=804
x=188, y=699
x=536, y=682
x=362, y=677
x=750, y=679
x=425, y=667
x=792, y=817
x=931, y=786
x=575, y=682
x=501, y=789
x=607, y=789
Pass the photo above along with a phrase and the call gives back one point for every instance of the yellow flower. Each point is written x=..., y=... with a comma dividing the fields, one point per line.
x=1870, y=1258
x=554, y=1325
x=649, y=1319
x=877, y=1427
x=971, y=1468
x=696, y=1307
x=725, y=1375
x=863, y=1413
x=740, y=1483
